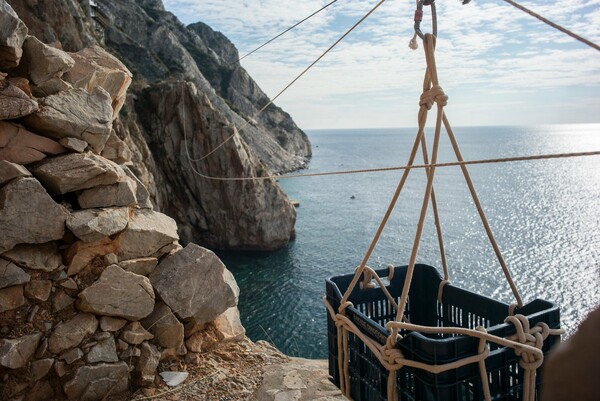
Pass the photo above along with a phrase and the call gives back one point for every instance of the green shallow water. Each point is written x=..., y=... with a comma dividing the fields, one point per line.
x=545, y=215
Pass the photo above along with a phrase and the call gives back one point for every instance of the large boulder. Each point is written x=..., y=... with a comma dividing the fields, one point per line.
x=195, y=284
x=94, y=224
x=72, y=332
x=28, y=214
x=16, y=354
x=118, y=293
x=15, y=101
x=12, y=35
x=77, y=171
x=95, y=67
x=20, y=146
x=74, y=113
x=147, y=235
x=44, y=63
x=96, y=383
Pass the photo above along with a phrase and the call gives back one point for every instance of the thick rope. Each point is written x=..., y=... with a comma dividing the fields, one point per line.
x=553, y=24
x=433, y=95
x=482, y=216
x=436, y=217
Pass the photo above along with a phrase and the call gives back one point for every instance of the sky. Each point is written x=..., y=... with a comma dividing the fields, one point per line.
x=498, y=65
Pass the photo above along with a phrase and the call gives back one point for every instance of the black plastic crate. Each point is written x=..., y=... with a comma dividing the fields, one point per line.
x=371, y=311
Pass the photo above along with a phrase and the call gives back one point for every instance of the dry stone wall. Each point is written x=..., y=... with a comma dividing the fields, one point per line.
x=96, y=294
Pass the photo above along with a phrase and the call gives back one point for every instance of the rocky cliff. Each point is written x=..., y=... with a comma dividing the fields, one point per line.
x=171, y=61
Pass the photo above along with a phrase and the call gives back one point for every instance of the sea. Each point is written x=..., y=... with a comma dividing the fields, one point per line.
x=545, y=215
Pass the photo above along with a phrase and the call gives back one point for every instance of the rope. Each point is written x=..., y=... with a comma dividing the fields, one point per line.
x=553, y=24
x=270, y=102
x=407, y=167
x=391, y=357
x=286, y=31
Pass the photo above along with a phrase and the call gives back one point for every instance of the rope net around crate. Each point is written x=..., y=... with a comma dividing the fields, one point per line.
x=528, y=341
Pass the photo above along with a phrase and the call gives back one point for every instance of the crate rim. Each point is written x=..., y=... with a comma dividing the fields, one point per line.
x=551, y=307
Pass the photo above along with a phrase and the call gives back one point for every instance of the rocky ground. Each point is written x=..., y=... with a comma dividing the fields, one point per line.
x=246, y=371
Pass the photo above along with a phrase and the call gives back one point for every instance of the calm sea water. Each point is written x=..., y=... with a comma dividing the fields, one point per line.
x=545, y=215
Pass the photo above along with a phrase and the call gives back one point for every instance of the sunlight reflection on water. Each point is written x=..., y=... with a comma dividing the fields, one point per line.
x=545, y=215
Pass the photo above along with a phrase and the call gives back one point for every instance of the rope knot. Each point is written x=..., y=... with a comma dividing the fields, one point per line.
x=433, y=95
x=532, y=336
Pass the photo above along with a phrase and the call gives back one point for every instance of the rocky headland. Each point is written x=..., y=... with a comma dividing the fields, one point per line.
x=98, y=297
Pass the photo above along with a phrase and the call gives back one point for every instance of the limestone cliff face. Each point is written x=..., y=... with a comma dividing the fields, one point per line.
x=162, y=54
x=232, y=214
x=157, y=46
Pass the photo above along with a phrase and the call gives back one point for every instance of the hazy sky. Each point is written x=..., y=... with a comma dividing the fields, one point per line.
x=498, y=65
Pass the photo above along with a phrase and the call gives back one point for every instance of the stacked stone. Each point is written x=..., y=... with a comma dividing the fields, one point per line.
x=95, y=290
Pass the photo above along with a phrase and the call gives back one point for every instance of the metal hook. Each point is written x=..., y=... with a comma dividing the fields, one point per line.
x=419, y=17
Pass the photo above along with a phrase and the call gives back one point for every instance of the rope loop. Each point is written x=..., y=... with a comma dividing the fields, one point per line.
x=434, y=95
x=343, y=306
x=441, y=289
x=391, y=271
